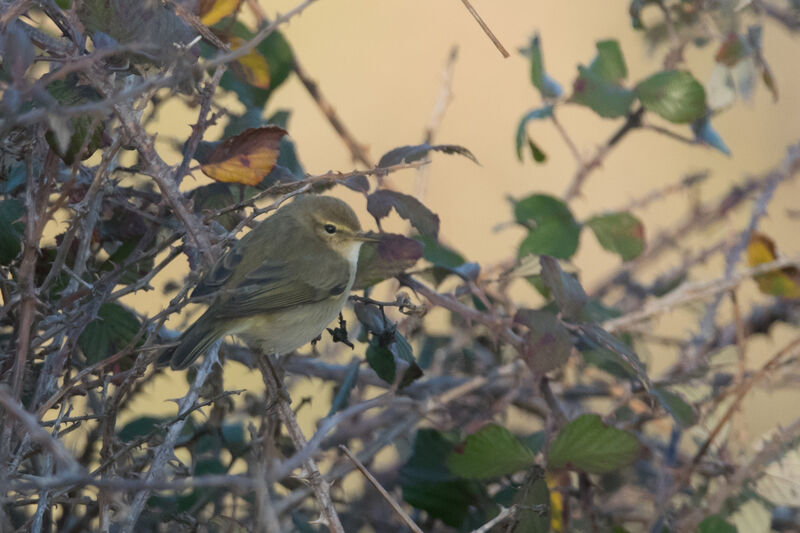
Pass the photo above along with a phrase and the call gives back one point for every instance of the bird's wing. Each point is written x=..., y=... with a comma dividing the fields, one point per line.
x=219, y=274
x=273, y=286
x=225, y=269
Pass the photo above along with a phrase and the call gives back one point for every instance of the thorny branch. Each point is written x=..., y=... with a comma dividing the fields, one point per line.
x=474, y=374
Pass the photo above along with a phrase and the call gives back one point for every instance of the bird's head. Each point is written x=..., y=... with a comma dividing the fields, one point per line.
x=332, y=222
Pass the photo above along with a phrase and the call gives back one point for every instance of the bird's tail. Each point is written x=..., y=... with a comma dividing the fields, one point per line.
x=194, y=341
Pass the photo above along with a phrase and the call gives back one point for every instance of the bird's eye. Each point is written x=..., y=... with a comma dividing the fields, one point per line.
x=330, y=228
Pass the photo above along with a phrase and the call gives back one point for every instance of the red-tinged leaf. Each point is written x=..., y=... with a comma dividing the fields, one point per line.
x=385, y=259
x=734, y=49
x=621, y=233
x=548, y=344
x=245, y=158
x=605, y=98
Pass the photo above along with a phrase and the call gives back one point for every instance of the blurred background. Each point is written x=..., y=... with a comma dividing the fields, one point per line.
x=381, y=65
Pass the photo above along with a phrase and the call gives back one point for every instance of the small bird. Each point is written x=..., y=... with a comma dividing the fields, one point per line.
x=279, y=285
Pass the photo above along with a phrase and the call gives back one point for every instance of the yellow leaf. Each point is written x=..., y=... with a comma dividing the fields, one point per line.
x=556, y=504
x=784, y=282
x=212, y=12
x=245, y=158
x=253, y=67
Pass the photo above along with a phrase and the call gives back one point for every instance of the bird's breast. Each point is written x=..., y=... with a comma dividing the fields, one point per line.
x=284, y=331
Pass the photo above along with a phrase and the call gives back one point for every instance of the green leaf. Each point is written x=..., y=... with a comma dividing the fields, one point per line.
x=588, y=445
x=490, y=452
x=140, y=22
x=233, y=438
x=565, y=289
x=609, y=64
x=139, y=427
x=533, y=501
x=11, y=228
x=676, y=406
x=381, y=360
x=67, y=136
x=438, y=253
x=620, y=233
x=342, y=397
x=548, y=344
x=596, y=336
x=538, y=155
x=548, y=87
x=705, y=133
x=401, y=348
x=445, y=260
x=12, y=178
x=715, y=524
x=604, y=98
x=112, y=330
x=521, y=136
x=429, y=485
x=553, y=230
x=213, y=197
x=674, y=94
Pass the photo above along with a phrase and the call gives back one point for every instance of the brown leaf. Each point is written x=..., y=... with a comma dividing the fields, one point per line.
x=245, y=158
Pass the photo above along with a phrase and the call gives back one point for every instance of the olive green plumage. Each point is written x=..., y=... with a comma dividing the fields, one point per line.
x=279, y=285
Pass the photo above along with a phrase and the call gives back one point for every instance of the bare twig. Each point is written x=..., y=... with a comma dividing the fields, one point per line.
x=166, y=450
x=357, y=150
x=633, y=121
x=567, y=139
x=485, y=28
x=504, y=514
x=693, y=291
x=386, y=496
x=278, y=396
x=437, y=114
x=37, y=434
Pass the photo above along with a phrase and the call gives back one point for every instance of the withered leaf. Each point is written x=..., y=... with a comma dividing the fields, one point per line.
x=245, y=158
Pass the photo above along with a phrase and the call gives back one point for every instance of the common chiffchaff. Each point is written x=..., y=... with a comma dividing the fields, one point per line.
x=279, y=285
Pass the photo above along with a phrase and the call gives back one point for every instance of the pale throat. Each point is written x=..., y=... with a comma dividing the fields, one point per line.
x=351, y=252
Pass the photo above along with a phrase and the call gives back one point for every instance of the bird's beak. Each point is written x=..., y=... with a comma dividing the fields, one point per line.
x=366, y=237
